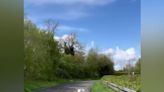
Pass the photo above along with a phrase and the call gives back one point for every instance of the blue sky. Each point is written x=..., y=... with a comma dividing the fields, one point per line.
x=106, y=24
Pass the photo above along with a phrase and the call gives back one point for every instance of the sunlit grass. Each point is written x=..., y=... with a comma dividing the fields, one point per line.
x=98, y=86
x=133, y=82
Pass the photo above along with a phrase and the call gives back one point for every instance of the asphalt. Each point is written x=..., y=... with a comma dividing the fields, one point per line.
x=81, y=86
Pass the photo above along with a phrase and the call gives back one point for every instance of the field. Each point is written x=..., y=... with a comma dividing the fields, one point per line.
x=125, y=81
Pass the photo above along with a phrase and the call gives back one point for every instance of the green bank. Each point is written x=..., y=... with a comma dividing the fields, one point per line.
x=99, y=86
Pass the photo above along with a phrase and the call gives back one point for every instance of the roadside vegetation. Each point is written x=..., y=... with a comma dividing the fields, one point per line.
x=132, y=82
x=100, y=87
x=49, y=62
x=129, y=77
x=47, y=59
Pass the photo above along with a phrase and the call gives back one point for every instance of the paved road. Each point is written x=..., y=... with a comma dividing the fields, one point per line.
x=81, y=86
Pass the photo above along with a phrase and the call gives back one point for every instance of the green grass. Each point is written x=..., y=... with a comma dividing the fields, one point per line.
x=125, y=81
x=32, y=85
x=98, y=86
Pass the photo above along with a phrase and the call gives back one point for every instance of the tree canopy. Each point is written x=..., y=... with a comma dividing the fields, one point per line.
x=45, y=61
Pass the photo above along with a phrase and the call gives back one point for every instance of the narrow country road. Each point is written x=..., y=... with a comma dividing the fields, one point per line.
x=81, y=86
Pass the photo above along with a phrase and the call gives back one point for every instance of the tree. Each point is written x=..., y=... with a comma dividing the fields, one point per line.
x=138, y=66
x=41, y=52
x=51, y=25
x=70, y=44
x=44, y=61
x=92, y=62
x=71, y=66
x=99, y=64
x=105, y=66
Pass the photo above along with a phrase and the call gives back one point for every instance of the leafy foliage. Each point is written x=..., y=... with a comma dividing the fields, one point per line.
x=41, y=52
x=99, y=64
x=45, y=61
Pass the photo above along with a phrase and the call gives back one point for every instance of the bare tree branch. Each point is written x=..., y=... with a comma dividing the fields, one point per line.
x=51, y=25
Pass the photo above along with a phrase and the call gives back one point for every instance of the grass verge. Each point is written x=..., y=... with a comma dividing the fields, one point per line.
x=32, y=85
x=98, y=86
x=125, y=81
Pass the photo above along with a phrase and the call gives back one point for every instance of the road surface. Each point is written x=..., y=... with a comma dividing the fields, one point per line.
x=81, y=86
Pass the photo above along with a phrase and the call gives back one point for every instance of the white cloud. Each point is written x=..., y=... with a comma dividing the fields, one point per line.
x=64, y=28
x=71, y=9
x=69, y=14
x=57, y=38
x=92, y=44
x=71, y=2
x=89, y=46
x=121, y=57
x=65, y=36
x=63, y=9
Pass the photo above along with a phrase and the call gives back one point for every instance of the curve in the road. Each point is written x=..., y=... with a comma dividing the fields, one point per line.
x=81, y=86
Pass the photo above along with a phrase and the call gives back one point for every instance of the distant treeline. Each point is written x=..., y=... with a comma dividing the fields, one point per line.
x=45, y=60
